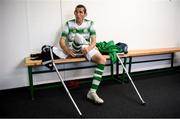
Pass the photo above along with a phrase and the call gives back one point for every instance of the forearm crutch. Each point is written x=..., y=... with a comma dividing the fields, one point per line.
x=118, y=56
x=62, y=81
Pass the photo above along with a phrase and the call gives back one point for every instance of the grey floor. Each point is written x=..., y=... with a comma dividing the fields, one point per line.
x=160, y=91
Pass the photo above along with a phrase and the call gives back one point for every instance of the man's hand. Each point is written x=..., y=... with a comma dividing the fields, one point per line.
x=70, y=52
x=67, y=50
x=85, y=50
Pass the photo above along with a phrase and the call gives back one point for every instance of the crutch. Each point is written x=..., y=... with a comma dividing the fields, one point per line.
x=52, y=58
x=142, y=101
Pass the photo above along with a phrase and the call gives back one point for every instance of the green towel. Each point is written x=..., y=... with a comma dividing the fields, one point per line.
x=109, y=48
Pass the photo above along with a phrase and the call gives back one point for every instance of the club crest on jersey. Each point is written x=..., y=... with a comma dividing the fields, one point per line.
x=74, y=30
x=85, y=31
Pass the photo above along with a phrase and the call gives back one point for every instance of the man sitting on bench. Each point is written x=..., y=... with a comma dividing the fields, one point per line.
x=79, y=37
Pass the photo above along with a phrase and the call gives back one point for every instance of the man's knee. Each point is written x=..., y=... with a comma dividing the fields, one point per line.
x=99, y=59
x=103, y=60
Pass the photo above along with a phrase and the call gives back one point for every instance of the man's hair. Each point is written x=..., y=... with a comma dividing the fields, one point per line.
x=81, y=6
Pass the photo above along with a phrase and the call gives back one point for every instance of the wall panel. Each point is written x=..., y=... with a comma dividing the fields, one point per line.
x=26, y=25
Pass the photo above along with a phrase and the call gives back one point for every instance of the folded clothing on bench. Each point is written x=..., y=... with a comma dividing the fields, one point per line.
x=45, y=56
x=111, y=49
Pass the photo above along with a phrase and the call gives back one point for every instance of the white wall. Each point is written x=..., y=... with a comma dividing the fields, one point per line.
x=25, y=25
x=14, y=46
x=137, y=22
x=178, y=39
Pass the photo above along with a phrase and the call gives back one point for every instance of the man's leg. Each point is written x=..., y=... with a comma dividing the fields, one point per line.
x=100, y=61
x=97, y=77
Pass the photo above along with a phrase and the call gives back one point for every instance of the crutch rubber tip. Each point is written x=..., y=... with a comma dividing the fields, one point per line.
x=143, y=103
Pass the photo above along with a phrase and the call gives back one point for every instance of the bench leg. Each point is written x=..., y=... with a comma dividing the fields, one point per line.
x=123, y=75
x=117, y=78
x=31, y=82
x=130, y=63
x=112, y=70
x=117, y=69
x=172, y=60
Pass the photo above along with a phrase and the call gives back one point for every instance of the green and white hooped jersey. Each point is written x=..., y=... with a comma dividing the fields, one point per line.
x=86, y=29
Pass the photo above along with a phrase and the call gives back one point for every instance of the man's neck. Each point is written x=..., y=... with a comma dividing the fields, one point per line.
x=79, y=22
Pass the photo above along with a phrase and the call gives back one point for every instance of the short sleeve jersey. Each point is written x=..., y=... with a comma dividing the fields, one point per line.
x=86, y=29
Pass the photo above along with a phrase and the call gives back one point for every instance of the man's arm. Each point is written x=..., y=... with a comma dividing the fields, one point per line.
x=66, y=49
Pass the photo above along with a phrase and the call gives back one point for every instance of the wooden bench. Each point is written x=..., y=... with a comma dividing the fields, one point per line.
x=147, y=52
x=132, y=53
x=36, y=63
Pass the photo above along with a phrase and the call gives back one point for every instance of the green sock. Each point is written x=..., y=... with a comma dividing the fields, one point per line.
x=97, y=77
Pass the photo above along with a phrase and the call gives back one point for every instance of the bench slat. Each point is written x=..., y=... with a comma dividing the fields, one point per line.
x=132, y=53
x=30, y=62
x=145, y=52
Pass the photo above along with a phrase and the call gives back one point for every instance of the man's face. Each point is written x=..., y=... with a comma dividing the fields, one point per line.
x=79, y=14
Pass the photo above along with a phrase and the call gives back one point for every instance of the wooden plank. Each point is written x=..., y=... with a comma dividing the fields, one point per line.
x=133, y=53
x=145, y=52
x=30, y=62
